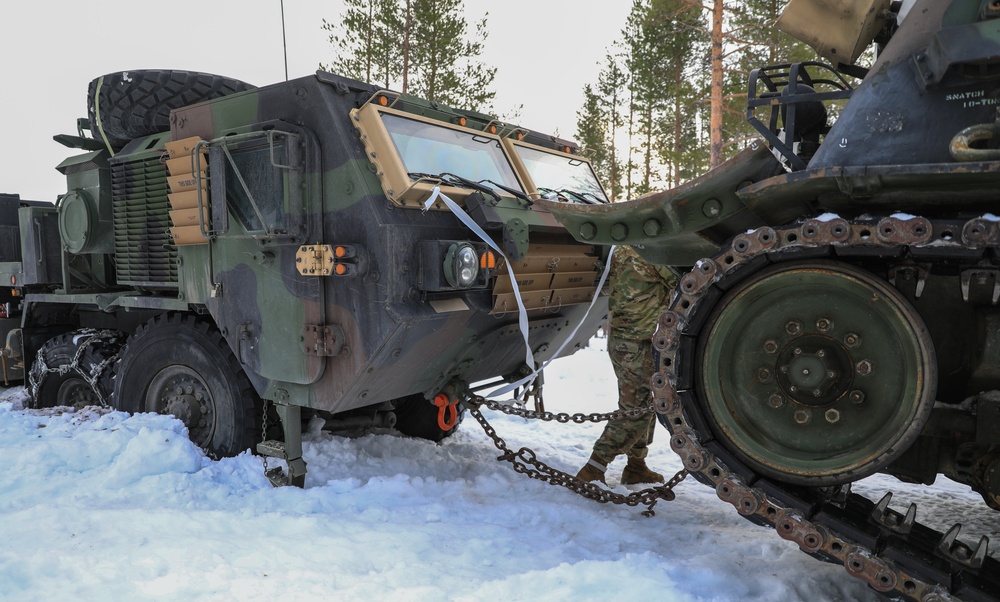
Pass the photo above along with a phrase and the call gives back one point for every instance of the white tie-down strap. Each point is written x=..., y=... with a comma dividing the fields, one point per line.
x=522, y=314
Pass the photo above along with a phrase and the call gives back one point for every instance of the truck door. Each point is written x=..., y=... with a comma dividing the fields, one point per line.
x=265, y=203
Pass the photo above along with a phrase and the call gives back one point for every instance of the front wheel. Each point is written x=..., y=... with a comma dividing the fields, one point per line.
x=179, y=365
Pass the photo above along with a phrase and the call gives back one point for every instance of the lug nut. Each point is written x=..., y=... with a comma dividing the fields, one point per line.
x=856, y=396
x=793, y=327
x=824, y=324
x=764, y=375
x=832, y=416
x=770, y=346
x=775, y=401
x=817, y=392
x=852, y=340
x=864, y=367
x=802, y=416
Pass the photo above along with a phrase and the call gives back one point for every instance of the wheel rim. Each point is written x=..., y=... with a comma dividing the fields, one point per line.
x=76, y=393
x=816, y=373
x=181, y=392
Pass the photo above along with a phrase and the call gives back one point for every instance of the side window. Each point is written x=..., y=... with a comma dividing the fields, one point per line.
x=263, y=182
x=255, y=188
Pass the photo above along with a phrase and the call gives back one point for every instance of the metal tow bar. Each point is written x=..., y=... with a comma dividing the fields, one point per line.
x=526, y=462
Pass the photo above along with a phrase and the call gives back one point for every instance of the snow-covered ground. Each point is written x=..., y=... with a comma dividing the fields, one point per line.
x=104, y=506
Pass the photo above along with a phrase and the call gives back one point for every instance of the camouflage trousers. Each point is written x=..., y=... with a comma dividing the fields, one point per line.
x=633, y=364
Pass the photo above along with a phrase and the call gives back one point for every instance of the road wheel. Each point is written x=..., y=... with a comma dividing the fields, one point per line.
x=418, y=417
x=73, y=369
x=179, y=365
x=815, y=372
x=126, y=105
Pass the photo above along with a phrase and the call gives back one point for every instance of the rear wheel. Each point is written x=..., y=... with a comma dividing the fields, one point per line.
x=73, y=369
x=179, y=365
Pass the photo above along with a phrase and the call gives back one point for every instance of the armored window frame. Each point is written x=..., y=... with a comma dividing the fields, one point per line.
x=392, y=171
x=514, y=146
x=271, y=162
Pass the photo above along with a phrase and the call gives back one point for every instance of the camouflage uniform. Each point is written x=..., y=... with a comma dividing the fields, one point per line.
x=638, y=291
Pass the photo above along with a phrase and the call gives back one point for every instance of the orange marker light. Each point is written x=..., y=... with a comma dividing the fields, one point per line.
x=382, y=100
x=520, y=136
x=462, y=121
x=487, y=260
x=339, y=251
x=493, y=129
x=340, y=269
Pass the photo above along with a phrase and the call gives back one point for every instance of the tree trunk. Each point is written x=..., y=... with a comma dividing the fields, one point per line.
x=406, y=46
x=715, y=121
x=678, y=115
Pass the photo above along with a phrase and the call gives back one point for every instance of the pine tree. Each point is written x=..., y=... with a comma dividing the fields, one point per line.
x=610, y=83
x=366, y=41
x=423, y=46
x=444, y=63
x=750, y=41
x=592, y=134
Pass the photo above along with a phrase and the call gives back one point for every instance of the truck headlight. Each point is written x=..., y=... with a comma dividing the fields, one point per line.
x=461, y=265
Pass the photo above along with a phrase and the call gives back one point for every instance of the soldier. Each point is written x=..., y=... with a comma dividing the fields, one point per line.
x=638, y=293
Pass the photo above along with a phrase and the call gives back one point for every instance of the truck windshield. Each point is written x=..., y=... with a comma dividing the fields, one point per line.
x=550, y=171
x=432, y=149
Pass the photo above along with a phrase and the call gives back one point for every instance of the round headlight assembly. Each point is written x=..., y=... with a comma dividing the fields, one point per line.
x=461, y=265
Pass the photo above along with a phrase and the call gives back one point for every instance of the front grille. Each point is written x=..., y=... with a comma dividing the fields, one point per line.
x=144, y=254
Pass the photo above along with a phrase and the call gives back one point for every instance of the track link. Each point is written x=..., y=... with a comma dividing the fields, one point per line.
x=893, y=553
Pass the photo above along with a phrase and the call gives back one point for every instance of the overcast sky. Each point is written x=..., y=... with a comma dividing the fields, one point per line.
x=544, y=51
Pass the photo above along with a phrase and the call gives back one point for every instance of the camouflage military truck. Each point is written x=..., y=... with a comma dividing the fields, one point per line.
x=235, y=255
x=839, y=315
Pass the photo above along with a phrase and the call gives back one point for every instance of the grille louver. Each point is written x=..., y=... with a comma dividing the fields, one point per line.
x=144, y=254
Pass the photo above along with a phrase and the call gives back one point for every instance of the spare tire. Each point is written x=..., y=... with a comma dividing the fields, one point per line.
x=126, y=105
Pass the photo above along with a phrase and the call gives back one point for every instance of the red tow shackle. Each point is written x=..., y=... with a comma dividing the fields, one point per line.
x=444, y=402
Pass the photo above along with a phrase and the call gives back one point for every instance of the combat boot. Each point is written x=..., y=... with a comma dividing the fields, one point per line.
x=637, y=472
x=593, y=470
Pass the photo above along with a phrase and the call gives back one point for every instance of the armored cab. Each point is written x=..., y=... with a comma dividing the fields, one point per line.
x=233, y=255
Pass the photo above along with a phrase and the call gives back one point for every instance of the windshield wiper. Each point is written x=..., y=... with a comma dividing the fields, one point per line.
x=578, y=195
x=512, y=191
x=456, y=180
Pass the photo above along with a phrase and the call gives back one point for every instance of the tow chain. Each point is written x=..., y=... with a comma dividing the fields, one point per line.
x=527, y=463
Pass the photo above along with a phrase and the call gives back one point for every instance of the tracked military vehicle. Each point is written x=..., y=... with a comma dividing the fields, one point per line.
x=234, y=256
x=839, y=315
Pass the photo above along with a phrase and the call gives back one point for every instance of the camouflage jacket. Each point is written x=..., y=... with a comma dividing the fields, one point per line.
x=639, y=292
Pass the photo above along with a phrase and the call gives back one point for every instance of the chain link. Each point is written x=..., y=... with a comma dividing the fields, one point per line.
x=263, y=431
x=527, y=463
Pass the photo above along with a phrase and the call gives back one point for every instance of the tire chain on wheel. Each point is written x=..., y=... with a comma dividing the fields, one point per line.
x=101, y=340
x=916, y=563
x=526, y=462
